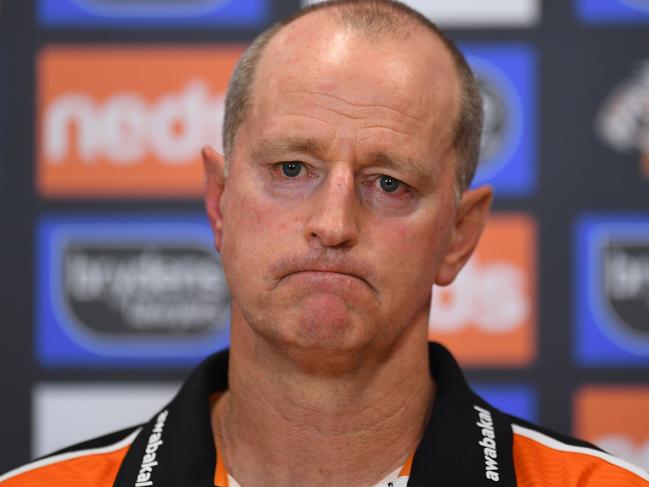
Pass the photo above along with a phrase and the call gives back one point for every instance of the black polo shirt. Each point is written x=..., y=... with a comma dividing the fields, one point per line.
x=466, y=443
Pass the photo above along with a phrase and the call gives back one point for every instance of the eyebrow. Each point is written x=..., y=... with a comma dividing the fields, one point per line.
x=406, y=164
x=265, y=148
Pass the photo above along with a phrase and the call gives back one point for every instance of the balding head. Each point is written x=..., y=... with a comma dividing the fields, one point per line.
x=372, y=20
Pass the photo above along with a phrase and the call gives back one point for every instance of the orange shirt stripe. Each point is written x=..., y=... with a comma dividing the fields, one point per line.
x=220, y=474
x=542, y=461
x=405, y=470
x=97, y=467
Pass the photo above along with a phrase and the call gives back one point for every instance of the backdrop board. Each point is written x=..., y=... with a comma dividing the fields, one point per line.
x=112, y=290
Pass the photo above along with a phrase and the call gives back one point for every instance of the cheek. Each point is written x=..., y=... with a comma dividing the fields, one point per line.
x=265, y=220
x=253, y=228
x=407, y=239
x=414, y=252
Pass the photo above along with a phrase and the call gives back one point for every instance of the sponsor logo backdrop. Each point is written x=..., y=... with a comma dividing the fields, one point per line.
x=93, y=409
x=469, y=13
x=615, y=417
x=488, y=315
x=116, y=121
x=613, y=11
x=612, y=289
x=622, y=120
x=517, y=399
x=171, y=14
x=507, y=77
x=128, y=290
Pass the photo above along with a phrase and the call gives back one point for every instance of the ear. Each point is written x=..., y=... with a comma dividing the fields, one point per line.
x=214, y=167
x=470, y=220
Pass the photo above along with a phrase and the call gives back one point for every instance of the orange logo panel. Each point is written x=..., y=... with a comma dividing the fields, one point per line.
x=129, y=121
x=615, y=418
x=487, y=317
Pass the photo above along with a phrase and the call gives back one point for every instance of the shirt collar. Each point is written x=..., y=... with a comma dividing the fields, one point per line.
x=457, y=448
x=467, y=441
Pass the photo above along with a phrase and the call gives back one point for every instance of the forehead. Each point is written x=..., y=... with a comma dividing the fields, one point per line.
x=409, y=78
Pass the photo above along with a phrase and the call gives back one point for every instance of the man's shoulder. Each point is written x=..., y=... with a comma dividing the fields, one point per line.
x=543, y=458
x=94, y=462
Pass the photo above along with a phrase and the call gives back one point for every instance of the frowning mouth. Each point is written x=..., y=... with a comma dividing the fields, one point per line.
x=322, y=270
x=327, y=279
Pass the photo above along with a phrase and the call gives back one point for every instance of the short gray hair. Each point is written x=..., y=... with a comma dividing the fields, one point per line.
x=375, y=18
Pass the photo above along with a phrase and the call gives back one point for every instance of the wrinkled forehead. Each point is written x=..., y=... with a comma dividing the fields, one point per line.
x=413, y=71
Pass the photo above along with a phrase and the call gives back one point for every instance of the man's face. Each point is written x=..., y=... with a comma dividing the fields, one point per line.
x=339, y=208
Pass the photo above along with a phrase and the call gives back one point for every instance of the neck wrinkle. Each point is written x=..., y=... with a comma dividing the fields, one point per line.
x=359, y=426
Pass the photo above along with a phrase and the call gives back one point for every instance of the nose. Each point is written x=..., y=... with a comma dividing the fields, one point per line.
x=332, y=221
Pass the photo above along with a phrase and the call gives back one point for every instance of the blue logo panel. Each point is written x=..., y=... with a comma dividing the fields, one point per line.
x=507, y=74
x=152, y=13
x=612, y=290
x=516, y=399
x=612, y=11
x=132, y=290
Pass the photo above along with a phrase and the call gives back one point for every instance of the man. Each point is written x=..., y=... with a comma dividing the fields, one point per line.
x=350, y=137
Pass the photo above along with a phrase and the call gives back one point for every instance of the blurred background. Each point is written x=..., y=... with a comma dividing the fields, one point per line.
x=111, y=291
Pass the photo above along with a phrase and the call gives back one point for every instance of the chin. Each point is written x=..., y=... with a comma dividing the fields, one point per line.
x=317, y=329
x=332, y=356
x=309, y=333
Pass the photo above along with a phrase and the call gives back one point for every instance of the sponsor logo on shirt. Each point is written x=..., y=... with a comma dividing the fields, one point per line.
x=168, y=13
x=612, y=11
x=488, y=315
x=149, y=461
x=488, y=443
x=615, y=419
x=623, y=119
x=130, y=290
x=104, y=133
x=612, y=256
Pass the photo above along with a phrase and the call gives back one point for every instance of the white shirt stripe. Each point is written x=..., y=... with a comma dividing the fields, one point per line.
x=70, y=455
x=560, y=446
x=392, y=480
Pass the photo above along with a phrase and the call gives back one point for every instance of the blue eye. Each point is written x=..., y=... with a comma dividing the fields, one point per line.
x=388, y=184
x=291, y=169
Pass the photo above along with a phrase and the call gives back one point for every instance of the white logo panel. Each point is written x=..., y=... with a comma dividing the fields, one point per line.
x=64, y=414
x=475, y=13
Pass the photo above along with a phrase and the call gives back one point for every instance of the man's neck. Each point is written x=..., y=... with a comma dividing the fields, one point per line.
x=279, y=425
